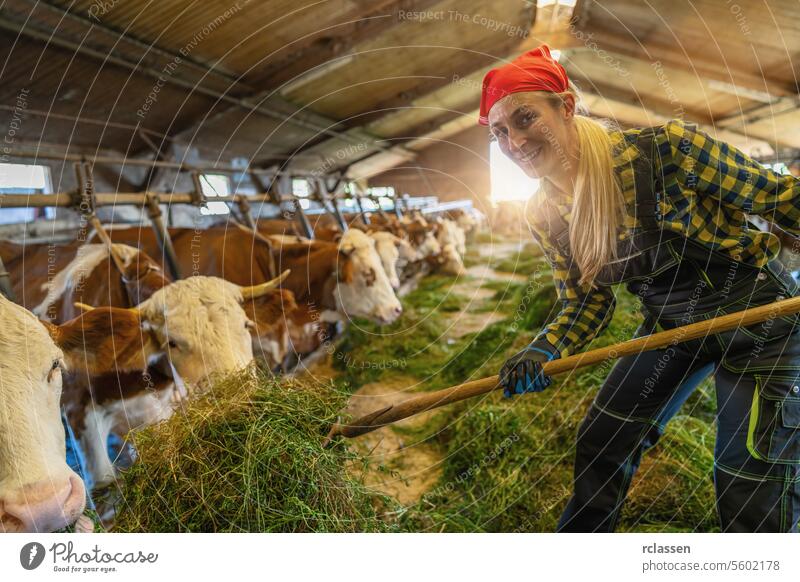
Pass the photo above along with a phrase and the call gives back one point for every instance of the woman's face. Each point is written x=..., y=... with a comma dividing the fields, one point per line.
x=534, y=132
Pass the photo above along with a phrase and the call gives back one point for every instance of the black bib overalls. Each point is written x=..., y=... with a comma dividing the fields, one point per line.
x=757, y=375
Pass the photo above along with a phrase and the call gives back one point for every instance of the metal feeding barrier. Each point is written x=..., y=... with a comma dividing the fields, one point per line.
x=327, y=194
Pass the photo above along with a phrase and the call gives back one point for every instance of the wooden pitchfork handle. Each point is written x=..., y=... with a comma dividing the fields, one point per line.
x=431, y=400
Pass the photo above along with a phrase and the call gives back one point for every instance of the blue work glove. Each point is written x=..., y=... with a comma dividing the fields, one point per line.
x=523, y=372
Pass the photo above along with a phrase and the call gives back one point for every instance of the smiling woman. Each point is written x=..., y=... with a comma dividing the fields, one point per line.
x=663, y=210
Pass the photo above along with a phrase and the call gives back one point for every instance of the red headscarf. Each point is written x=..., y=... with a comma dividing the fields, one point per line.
x=535, y=70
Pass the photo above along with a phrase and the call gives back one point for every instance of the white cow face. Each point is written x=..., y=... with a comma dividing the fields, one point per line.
x=430, y=247
x=363, y=289
x=387, y=246
x=38, y=490
x=452, y=263
x=202, y=327
x=451, y=233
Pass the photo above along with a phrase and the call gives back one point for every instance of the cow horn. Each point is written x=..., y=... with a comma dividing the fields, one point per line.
x=85, y=307
x=258, y=290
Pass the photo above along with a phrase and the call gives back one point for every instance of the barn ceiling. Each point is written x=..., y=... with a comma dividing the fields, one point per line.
x=323, y=85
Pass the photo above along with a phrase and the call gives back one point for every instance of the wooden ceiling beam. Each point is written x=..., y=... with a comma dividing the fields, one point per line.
x=597, y=39
x=366, y=21
x=632, y=97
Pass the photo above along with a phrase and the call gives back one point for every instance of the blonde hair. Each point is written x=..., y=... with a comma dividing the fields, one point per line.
x=598, y=207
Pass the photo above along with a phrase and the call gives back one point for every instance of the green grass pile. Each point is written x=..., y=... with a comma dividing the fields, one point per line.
x=247, y=457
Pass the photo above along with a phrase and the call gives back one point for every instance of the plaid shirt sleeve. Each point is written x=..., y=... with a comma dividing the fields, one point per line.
x=585, y=311
x=714, y=168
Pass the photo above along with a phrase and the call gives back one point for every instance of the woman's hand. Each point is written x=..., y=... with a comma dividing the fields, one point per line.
x=523, y=372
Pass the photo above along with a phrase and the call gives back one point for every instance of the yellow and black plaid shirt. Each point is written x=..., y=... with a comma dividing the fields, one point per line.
x=709, y=189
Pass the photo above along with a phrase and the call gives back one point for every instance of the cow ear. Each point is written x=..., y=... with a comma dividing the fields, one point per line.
x=102, y=340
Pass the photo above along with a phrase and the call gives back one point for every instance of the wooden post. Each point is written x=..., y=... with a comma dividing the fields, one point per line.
x=162, y=234
x=5, y=283
x=244, y=210
x=87, y=208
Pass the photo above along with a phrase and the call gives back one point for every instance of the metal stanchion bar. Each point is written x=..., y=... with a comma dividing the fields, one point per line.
x=364, y=215
x=162, y=235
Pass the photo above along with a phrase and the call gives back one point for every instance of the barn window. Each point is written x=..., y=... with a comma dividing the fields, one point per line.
x=24, y=179
x=509, y=182
x=302, y=190
x=778, y=167
x=215, y=185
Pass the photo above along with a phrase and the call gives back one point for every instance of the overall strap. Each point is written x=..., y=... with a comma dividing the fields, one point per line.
x=556, y=227
x=647, y=184
x=646, y=181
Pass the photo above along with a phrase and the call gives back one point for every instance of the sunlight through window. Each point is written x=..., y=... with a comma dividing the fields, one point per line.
x=509, y=182
x=215, y=185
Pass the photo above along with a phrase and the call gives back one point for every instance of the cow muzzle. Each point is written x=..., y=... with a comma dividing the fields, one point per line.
x=44, y=506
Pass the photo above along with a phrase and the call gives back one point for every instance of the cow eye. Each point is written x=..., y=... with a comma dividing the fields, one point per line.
x=173, y=344
x=55, y=368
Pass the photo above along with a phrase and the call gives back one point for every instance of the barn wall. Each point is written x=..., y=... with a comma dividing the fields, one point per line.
x=452, y=170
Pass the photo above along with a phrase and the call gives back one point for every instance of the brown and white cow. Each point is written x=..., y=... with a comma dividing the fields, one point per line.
x=50, y=279
x=196, y=326
x=394, y=252
x=453, y=244
x=341, y=280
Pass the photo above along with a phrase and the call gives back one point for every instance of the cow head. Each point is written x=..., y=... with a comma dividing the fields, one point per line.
x=451, y=262
x=423, y=238
x=38, y=490
x=387, y=246
x=201, y=325
x=451, y=233
x=198, y=323
x=363, y=289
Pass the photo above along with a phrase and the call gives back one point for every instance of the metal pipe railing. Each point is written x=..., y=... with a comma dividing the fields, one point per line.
x=138, y=162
